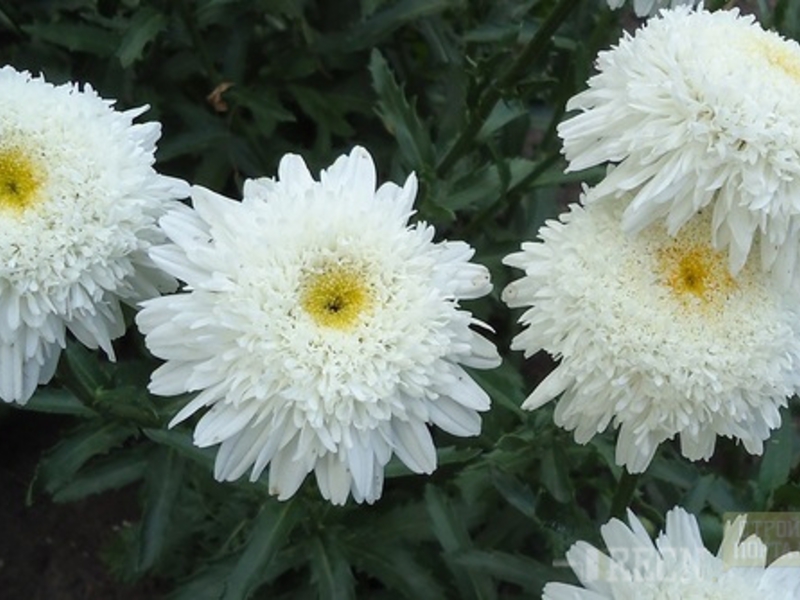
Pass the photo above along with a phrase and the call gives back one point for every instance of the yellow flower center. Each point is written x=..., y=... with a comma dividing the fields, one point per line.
x=19, y=180
x=336, y=296
x=695, y=271
x=780, y=54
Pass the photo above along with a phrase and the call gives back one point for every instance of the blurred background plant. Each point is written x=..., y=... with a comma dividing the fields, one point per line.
x=465, y=93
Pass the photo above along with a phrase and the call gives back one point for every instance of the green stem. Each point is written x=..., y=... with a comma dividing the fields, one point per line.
x=490, y=97
x=626, y=487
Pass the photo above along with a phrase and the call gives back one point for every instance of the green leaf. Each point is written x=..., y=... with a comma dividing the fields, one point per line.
x=82, y=370
x=477, y=188
x=504, y=386
x=554, y=475
x=114, y=472
x=270, y=533
x=164, y=480
x=181, y=441
x=77, y=37
x=330, y=571
x=397, y=569
x=502, y=114
x=453, y=536
x=57, y=401
x=63, y=461
x=778, y=456
x=399, y=116
x=697, y=497
x=208, y=584
x=320, y=108
x=378, y=27
x=517, y=494
x=147, y=23
x=525, y=572
x=444, y=456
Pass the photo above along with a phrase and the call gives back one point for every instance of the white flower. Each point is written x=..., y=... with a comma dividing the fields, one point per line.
x=79, y=201
x=699, y=109
x=677, y=566
x=322, y=329
x=654, y=335
x=645, y=8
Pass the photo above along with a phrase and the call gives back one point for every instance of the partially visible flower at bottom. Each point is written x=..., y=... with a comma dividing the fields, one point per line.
x=677, y=566
x=323, y=331
x=654, y=334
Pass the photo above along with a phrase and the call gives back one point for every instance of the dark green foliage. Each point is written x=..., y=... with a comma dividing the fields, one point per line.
x=466, y=94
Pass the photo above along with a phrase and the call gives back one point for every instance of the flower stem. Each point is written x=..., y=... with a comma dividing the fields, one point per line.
x=490, y=97
x=626, y=487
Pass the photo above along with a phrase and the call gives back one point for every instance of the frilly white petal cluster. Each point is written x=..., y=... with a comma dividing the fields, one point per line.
x=677, y=565
x=646, y=8
x=686, y=125
x=654, y=335
x=79, y=203
x=322, y=332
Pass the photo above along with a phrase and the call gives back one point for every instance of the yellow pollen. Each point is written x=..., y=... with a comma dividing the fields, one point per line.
x=19, y=180
x=336, y=296
x=696, y=271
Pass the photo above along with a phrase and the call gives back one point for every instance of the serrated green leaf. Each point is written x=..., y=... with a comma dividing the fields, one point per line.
x=57, y=401
x=163, y=482
x=146, y=24
x=111, y=473
x=399, y=116
x=270, y=533
x=63, y=461
x=330, y=571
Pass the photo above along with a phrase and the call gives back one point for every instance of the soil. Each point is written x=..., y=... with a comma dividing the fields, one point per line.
x=52, y=551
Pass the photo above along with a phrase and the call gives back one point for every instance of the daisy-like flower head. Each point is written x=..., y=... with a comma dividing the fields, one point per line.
x=646, y=8
x=79, y=201
x=654, y=335
x=687, y=125
x=677, y=566
x=323, y=331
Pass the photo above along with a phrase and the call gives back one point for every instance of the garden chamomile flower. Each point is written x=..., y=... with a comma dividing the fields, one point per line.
x=688, y=126
x=677, y=565
x=79, y=201
x=654, y=334
x=322, y=330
